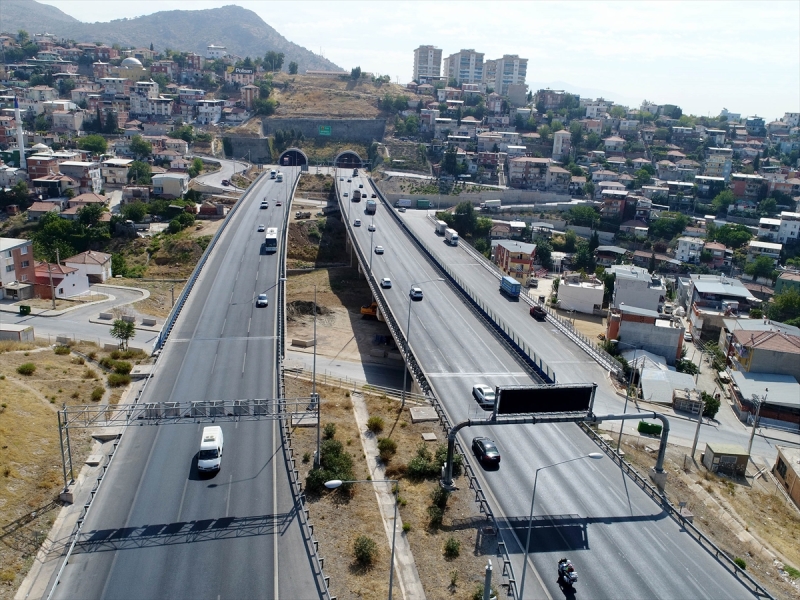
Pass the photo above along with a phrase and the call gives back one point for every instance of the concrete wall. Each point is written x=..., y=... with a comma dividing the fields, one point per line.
x=636, y=293
x=579, y=298
x=770, y=361
x=365, y=131
x=508, y=197
x=664, y=341
x=257, y=147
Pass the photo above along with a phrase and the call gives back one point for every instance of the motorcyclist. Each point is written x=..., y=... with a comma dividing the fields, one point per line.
x=566, y=571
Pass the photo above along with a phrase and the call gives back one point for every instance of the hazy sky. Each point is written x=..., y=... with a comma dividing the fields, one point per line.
x=703, y=56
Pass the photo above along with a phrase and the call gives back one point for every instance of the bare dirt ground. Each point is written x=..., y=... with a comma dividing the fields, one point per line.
x=589, y=325
x=62, y=303
x=726, y=509
x=30, y=459
x=338, y=519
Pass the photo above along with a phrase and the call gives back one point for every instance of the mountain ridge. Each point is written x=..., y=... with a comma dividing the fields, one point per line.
x=240, y=30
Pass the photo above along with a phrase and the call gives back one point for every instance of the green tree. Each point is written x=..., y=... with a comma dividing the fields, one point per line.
x=465, y=218
x=183, y=132
x=722, y=201
x=761, y=267
x=583, y=215
x=544, y=252
x=124, y=331
x=355, y=73
x=785, y=307
x=139, y=173
x=594, y=241
x=733, y=236
x=140, y=147
x=90, y=214
x=292, y=68
x=583, y=258
x=134, y=211
x=570, y=241
x=273, y=60
x=617, y=112
x=641, y=178
x=768, y=206
x=264, y=106
x=196, y=167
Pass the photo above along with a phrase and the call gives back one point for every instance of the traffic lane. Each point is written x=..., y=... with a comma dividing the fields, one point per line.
x=617, y=519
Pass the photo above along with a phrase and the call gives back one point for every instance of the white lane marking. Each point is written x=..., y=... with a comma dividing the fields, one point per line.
x=275, y=591
x=257, y=273
x=244, y=362
x=223, y=326
x=228, y=500
x=215, y=362
x=249, y=320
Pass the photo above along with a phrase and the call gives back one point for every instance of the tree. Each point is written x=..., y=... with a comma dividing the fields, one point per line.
x=617, y=112
x=123, y=331
x=583, y=215
x=140, y=173
x=544, y=252
x=722, y=201
x=768, y=206
x=583, y=258
x=465, y=218
x=96, y=144
x=273, y=60
x=292, y=68
x=785, y=306
x=134, y=211
x=264, y=106
x=90, y=214
x=761, y=267
x=570, y=241
x=711, y=405
x=355, y=73
x=196, y=168
x=140, y=147
x=594, y=241
x=733, y=236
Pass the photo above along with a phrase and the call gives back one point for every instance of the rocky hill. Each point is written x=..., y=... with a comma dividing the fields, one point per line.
x=242, y=31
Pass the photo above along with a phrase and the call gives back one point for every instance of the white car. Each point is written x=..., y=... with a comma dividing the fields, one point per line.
x=262, y=300
x=401, y=209
x=386, y=282
x=357, y=223
x=371, y=227
x=687, y=337
x=415, y=293
x=484, y=395
x=265, y=204
x=378, y=249
x=261, y=227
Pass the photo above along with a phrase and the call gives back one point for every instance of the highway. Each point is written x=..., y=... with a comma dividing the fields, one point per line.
x=158, y=529
x=622, y=543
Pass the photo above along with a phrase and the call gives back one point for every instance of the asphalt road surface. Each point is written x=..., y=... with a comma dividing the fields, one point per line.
x=622, y=543
x=159, y=529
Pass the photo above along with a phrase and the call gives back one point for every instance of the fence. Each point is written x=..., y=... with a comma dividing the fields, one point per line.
x=347, y=383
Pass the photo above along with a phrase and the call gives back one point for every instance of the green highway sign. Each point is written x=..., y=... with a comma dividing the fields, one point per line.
x=324, y=129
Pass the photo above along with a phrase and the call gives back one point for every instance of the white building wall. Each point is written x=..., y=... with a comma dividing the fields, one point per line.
x=580, y=298
x=72, y=285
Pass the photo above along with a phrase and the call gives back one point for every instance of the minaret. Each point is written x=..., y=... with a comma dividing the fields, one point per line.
x=20, y=137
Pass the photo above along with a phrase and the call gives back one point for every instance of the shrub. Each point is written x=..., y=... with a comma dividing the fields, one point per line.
x=79, y=360
x=651, y=428
x=107, y=362
x=90, y=374
x=118, y=380
x=61, y=350
x=329, y=431
x=335, y=463
x=396, y=471
x=740, y=563
x=792, y=572
x=439, y=497
x=92, y=355
x=365, y=550
x=435, y=516
x=387, y=448
x=116, y=354
x=306, y=457
x=122, y=367
x=375, y=424
x=97, y=394
x=441, y=458
x=452, y=548
x=406, y=527
x=26, y=369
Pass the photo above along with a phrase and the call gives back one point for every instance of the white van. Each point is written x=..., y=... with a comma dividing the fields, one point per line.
x=272, y=174
x=210, y=455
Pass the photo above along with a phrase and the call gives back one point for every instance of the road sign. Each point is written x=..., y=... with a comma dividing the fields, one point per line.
x=557, y=398
x=324, y=129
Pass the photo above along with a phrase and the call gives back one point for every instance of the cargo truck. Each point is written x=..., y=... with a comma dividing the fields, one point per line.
x=357, y=196
x=490, y=206
x=441, y=227
x=403, y=203
x=371, y=207
x=279, y=176
x=451, y=237
x=510, y=287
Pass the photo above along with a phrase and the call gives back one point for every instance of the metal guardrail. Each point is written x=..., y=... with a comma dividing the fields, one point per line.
x=355, y=385
x=741, y=575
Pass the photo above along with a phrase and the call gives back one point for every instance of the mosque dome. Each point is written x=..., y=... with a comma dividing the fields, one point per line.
x=130, y=63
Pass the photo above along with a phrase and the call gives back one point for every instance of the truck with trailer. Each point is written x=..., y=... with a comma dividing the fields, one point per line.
x=510, y=287
x=403, y=203
x=372, y=206
x=279, y=176
x=451, y=237
x=441, y=227
x=490, y=206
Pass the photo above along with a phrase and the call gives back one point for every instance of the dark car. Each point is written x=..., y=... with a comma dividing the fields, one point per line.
x=538, y=313
x=225, y=182
x=486, y=451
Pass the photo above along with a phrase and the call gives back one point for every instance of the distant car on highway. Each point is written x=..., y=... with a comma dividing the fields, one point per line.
x=371, y=227
x=345, y=194
x=357, y=223
x=687, y=337
x=278, y=203
x=378, y=249
x=225, y=182
x=262, y=300
x=484, y=395
x=265, y=204
x=415, y=293
x=374, y=195
x=349, y=181
x=486, y=451
x=386, y=283
x=401, y=209
x=361, y=185
x=261, y=227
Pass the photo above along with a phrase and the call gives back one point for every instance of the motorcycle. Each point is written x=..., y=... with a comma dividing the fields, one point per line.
x=567, y=576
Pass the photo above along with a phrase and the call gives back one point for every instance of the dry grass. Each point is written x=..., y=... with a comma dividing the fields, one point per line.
x=30, y=463
x=159, y=304
x=360, y=515
x=588, y=325
x=756, y=505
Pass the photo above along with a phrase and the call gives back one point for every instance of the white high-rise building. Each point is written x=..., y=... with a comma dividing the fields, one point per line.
x=465, y=67
x=427, y=62
x=509, y=70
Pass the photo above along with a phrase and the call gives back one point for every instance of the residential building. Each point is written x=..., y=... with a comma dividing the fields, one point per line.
x=528, y=172
x=787, y=469
x=643, y=329
x=768, y=229
x=506, y=71
x=427, y=62
x=581, y=295
x=171, y=185
x=562, y=141
x=215, y=51
x=54, y=186
x=596, y=108
x=115, y=86
x=39, y=209
x=577, y=185
x=719, y=163
x=557, y=179
x=17, y=269
x=549, y=98
x=708, y=186
x=786, y=281
x=465, y=66
x=515, y=258
x=663, y=263
x=614, y=143
x=59, y=280
x=87, y=174
x=765, y=352
x=721, y=256
x=780, y=406
x=240, y=76
x=748, y=187
x=689, y=249
x=605, y=256
x=635, y=286
x=41, y=165
x=114, y=171
x=209, y=111
x=789, y=230
x=757, y=248
x=709, y=299
x=755, y=126
x=95, y=266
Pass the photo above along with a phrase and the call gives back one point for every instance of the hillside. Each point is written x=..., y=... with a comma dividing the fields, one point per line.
x=241, y=30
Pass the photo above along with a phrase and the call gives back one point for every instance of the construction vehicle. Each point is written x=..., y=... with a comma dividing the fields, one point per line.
x=302, y=215
x=370, y=310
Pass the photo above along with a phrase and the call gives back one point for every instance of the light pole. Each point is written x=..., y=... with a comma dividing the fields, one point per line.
x=758, y=402
x=408, y=336
x=627, y=389
x=335, y=483
x=594, y=455
x=371, y=251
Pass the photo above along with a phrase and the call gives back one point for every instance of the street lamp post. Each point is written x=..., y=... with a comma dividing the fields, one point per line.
x=335, y=483
x=627, y=390
x=408, y=336
x=593, y=455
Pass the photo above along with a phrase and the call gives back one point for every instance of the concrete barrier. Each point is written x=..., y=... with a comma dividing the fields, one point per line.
x=110, y=347
x=107, y=316
x=149, y=322
x=129, y=318
x=62, y=339
x=302, y=343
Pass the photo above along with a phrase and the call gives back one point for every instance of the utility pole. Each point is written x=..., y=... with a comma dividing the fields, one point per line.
x=699, y=422
x=759, y=402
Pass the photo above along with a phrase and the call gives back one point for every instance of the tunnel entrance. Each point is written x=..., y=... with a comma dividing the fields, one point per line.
x=293, y=157
x=348, y=160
